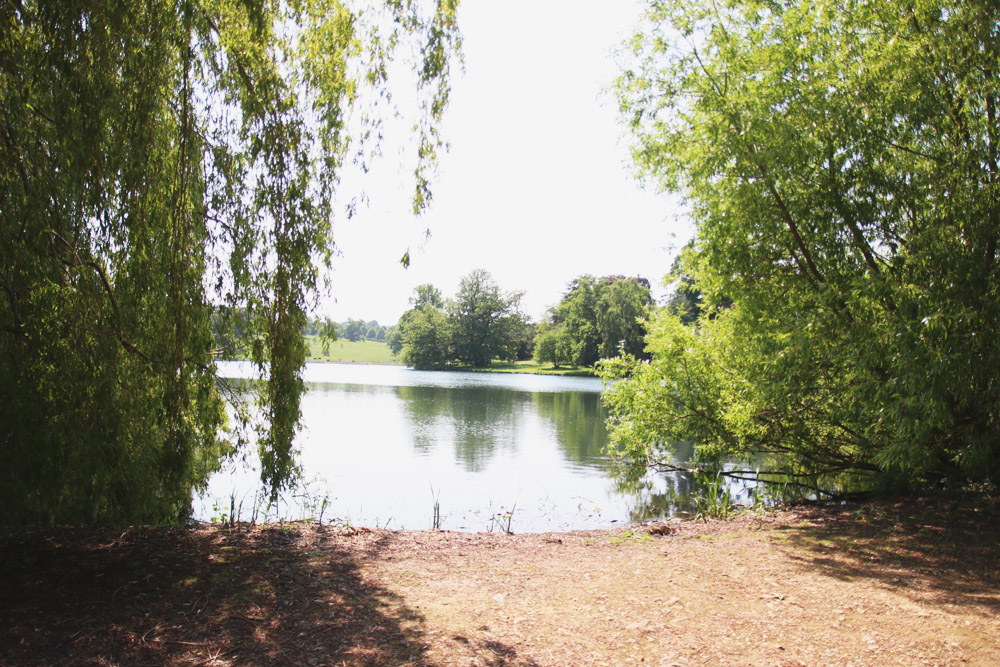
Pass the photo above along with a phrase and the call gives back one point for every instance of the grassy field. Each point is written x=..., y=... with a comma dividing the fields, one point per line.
x=345, y=351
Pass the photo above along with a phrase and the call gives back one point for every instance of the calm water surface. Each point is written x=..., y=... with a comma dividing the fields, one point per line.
x=381, y=444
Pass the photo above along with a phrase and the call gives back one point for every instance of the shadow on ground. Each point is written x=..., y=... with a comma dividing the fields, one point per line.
x=941, y=550
x=152, y=596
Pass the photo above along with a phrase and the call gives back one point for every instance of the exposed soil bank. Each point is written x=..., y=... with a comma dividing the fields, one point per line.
x=891, y=583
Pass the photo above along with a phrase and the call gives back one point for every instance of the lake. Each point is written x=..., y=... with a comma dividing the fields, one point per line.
x=381, y=445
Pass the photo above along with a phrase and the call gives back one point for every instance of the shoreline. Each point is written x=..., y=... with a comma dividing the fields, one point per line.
x=568, y=372
x=912, y=580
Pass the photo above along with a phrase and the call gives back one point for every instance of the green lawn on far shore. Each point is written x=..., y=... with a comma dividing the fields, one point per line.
x=346, y=351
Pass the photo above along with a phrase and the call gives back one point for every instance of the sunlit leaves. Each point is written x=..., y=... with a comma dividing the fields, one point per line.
x=602, y=317
x=840, y=160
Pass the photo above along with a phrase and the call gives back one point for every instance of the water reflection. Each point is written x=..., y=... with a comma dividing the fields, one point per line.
x=579, y=422
x=384, y=438
x=657, y=495
x=478, y=421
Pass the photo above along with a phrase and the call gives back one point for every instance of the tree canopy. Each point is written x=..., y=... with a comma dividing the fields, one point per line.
x=486, y=320
x=426, y=338
x=596, y=318
x=480, y=324
x=162, y=159
x=426, y=295
x=840, y=159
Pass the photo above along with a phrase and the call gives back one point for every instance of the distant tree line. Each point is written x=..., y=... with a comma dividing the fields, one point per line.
x=350, y=329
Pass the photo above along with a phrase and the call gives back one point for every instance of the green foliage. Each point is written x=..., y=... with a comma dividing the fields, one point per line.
x=841, y=163
x=426, y=339
x=524, y=339
x=422, y=337
x=554, y=346
x=167, y=163
x=622, y=305
x=601, y=317
x=685, y=302
x=486, y=321
x=394, y=337
x=426, y=295
x=355, y=330
x=716, y=500
x=480, y=324
x=577, y=315
x=352, y=329
x=531, y=367
x=674, y=397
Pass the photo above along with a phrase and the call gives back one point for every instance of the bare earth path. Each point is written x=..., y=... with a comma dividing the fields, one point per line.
x=907, y=583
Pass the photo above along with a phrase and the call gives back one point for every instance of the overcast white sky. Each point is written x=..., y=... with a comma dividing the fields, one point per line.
x=536, y=188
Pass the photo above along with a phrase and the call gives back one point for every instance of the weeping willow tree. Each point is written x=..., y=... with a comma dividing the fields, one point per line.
x=840, y=159
x=163, y=159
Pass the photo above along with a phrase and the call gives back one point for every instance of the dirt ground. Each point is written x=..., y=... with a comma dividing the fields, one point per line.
x=915, y=582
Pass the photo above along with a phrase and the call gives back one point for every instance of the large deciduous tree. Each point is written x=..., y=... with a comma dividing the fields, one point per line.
x=598, y=318
x=486, y=321
x=355, y=330
x=553, y=346
x=840, y=159
x=480, y=324
x=426, y=295
x=423, y=336
x=621, y=307
x=576, y=314
x=161, y=159
x=427, y=338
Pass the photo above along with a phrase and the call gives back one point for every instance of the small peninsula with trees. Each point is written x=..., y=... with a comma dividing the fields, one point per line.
x=482, y=324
